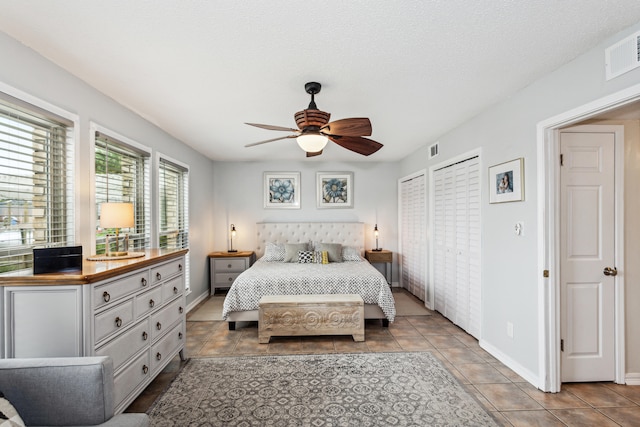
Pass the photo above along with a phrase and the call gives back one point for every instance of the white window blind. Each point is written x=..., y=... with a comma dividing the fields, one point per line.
x=36, y=183
x=173, y=195
x=122, y=175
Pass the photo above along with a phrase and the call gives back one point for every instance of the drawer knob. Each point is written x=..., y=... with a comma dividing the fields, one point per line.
x=118, y=322
x=151, y=303
x=158, y=276
x=180, y=310
x=179, y=335
x=175, y=290
x=145, y=336
x=230, y=279
x=145, y=369
x=158, y=356
x=179, y=267
x=158, y=326
x=106, y=297
x=229, y=266
x=144, y=282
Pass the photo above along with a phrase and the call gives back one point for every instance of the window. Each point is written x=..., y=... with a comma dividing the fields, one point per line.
x=173, y=200
x=36, y=182
x=122, y=175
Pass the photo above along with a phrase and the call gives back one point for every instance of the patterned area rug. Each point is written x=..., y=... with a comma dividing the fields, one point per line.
x=371, y=389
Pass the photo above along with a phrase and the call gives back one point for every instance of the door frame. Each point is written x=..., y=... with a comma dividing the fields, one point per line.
x=548, y=179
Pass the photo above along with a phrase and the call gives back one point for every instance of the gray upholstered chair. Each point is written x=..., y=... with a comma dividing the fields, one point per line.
x=66, y=391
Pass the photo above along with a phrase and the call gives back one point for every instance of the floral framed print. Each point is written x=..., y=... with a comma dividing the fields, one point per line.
x=506, y=182
x=282, y=190
x=334, y=189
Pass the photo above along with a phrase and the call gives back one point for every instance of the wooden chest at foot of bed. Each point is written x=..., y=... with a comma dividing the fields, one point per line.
x=297, y=315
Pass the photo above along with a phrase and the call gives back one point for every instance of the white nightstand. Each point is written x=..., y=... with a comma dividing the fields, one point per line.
x=226, y=266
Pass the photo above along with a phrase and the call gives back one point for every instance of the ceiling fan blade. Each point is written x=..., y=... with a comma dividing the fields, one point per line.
x=271, y=127
x=270, y=140
x=348, y=127
x=317, y=153
x=357, y=144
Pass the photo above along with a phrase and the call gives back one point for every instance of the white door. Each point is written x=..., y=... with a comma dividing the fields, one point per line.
x=413, y=246
x=587, y=200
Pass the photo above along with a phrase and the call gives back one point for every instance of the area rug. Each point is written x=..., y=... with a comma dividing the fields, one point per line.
x=370, y=389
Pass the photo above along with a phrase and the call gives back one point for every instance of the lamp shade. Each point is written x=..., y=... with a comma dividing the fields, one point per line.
x=312, y=142
x=116, y=215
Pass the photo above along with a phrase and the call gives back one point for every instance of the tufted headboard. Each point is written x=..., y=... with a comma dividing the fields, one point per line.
x=345, y=233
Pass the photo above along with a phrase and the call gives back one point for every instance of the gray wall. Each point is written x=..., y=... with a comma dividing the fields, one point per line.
x=25, y=70
x=509, y=263
x=238, y=200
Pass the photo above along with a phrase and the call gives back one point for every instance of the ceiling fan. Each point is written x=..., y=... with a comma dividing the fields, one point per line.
x=315, y=130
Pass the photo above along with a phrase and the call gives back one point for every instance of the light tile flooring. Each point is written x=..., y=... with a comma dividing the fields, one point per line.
x=512, y=400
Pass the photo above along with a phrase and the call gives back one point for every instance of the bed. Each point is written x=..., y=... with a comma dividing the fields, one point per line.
x=270, y=275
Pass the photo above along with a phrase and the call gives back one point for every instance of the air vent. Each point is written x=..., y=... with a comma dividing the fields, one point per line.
x=433, y=150
x=623, y=56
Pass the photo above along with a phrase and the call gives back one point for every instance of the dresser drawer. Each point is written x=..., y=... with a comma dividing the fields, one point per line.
x=104, y=294
x=172, y=288
x=167, y=347
x=229, y=264
x=148, y=301
x=123, y=347
x=224, y=279
x=113, y=319
x=166, y=317
x=166, y=271
x=131, y=377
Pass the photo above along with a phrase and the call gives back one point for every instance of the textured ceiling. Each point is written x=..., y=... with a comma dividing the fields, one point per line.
x=200, y=69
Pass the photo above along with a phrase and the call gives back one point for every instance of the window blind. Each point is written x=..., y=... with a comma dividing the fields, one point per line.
x=174, y=205
x=122, y=175
x=36, y=183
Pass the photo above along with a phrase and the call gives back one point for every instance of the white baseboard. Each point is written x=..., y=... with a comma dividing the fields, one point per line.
x=197, y=301
x=632, y=379
x=526, y=374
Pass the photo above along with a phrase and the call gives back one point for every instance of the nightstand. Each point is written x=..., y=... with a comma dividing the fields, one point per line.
x=382, y=256
x=226, y=266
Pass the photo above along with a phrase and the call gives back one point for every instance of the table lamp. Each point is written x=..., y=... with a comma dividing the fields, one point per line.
x=233, y=234
x=116, y=215
x=375, y=233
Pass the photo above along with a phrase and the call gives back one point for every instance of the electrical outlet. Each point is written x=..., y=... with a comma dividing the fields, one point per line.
x=510, y=329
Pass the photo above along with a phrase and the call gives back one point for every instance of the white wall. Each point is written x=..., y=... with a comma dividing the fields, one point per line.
x=28, y=72
x=238, y=199
x=509, y=264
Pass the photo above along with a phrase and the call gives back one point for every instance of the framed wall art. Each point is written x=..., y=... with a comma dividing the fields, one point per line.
x=334, y=189
x=506, y=182
x=282, y=190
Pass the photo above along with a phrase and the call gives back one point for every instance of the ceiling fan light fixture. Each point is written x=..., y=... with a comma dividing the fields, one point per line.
x=312, y=142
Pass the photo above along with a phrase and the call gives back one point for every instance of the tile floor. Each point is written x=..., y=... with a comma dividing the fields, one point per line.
x=512, y=400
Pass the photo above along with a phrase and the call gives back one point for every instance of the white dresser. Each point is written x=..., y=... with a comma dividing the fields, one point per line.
x=131, y=310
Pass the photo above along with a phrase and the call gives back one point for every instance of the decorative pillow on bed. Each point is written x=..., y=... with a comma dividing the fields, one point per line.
x=334, y=250
x=273, y=252
x=305, y=257
x=8, y=415
x=351, y=253
x=291, y=251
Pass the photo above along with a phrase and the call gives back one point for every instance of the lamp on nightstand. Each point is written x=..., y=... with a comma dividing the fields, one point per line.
x=375, y=233
x=233, y=234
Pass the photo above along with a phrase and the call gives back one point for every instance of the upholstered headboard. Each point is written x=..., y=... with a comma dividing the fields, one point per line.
x=345, y=233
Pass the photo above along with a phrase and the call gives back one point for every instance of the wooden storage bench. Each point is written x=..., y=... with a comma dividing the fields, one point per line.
x=295, y=315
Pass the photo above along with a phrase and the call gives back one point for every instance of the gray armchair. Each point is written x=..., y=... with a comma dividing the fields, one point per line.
x=66, y=391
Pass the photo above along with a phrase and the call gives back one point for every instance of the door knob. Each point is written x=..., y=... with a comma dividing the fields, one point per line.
x=608, y=271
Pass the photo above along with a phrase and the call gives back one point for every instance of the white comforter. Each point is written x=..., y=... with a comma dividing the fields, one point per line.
x=280, y=278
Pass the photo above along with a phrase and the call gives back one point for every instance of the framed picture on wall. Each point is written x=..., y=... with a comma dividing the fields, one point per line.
x=334, y=189
x=506, y=182
x=282, y=190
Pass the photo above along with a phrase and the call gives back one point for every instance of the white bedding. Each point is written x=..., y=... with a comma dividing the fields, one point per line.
x=280, y=278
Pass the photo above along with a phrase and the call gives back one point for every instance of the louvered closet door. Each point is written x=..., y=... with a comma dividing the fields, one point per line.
x=456, y=244
x=414, y=228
